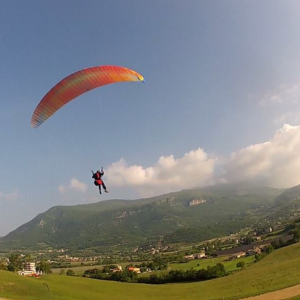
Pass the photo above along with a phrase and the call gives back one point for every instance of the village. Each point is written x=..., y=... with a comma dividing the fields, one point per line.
x=230, y=248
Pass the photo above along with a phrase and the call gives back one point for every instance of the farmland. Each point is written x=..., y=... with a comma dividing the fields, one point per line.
x=276, y=271
x=230, y=265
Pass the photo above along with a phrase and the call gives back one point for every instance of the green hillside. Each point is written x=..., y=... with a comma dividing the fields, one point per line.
x=286, y=205
x=276, y=271
x=185, y=216
x=289, y=195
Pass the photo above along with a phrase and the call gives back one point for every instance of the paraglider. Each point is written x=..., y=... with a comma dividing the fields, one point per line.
x=98, y=180
x=78, y=83
x=75, y=85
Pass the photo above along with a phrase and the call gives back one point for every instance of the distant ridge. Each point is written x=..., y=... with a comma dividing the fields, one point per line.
x=168, y=218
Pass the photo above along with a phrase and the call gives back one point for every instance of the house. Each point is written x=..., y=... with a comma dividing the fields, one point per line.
x=251, y=252
x=240, y=254
x=116, y=269
x=134, y=269
x=268, y=230
x=189, y=257
x=30, y=270
x=237, y=255
x=255, y=250
x=30, y=266
x=200, y=255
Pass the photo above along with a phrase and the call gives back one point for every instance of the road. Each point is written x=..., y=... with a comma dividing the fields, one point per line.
x=286, y=293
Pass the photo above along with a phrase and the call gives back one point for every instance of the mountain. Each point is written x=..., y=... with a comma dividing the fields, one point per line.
x=286, y=206
x=288, y=195
x=199, y=213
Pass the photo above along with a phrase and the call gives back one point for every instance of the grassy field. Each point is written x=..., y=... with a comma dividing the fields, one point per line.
x=79, y=270
x=203, y=264
x=278, y=270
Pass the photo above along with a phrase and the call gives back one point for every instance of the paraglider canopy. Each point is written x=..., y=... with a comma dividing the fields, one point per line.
x=78, y=83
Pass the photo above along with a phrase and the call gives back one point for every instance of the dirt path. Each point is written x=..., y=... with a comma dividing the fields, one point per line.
x=286, y=293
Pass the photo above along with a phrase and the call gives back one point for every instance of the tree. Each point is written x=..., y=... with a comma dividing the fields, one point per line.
x=15, y=263
x=296, y=235
x=259, y=256
x=247, y=240
x=3, y=266
x=241, y=264
x=70, y=272
x=94, y=271
x=269, y=249
x=27, y=258
x=44, y=267
x=62, y=272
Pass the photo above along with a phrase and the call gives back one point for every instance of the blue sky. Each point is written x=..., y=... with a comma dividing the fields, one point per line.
x=220, y=102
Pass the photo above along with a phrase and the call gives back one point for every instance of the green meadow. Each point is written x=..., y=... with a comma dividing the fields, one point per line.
x=193, y=264
x=230, y=265
x=79, y=270
x=278, y=270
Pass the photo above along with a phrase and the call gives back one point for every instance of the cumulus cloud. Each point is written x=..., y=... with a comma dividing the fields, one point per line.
x=168, y=174
x=274, y=163
x=74, y=185
x=78, y=186
x=283, y=94
x=13, y=196
x=288, y=117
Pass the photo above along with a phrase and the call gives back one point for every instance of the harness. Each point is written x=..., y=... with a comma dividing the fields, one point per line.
x=98, y=180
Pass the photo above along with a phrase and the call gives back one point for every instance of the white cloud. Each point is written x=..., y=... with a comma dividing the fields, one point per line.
x=274, y=163
x=74, y=185
x=288, y=117
x=283, y=94
x=78, y=186
x=168, y=174
x=13, y=196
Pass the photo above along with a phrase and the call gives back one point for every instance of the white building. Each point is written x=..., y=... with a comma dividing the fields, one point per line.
x=30, y=266
x=29, y=270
